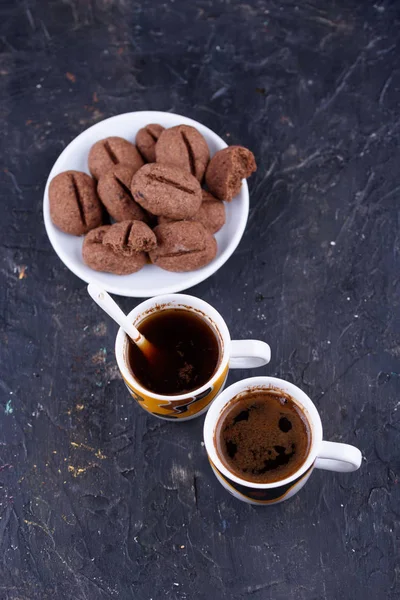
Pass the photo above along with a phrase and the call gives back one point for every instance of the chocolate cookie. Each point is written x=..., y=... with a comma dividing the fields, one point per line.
x=184, y=147
x=146, y=139
x=128, y=237
x=112, y=151
x=101, y=257
x=114, y=191
x=226, y=170
x=166, y=190
x=183, y=246
x=74, y=205
x=211, y=213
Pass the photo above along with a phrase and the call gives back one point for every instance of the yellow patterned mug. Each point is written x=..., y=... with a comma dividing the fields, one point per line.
x=234, y=354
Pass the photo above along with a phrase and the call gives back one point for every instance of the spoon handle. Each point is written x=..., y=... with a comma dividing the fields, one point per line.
x=105, y=302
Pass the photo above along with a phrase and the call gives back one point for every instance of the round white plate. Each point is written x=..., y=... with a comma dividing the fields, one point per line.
x=151, y=280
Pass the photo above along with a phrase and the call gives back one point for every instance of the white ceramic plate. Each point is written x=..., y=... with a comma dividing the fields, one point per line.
x=151, y=280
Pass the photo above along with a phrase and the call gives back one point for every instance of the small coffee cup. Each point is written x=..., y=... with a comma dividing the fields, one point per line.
x=234, y=354
x=330, y=456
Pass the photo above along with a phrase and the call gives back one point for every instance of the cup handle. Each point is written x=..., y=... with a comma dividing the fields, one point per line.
x=248, y=354
x=338, y=457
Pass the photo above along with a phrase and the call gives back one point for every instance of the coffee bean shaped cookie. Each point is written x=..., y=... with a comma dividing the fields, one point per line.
x=128, y=237
x=184, y=147
x=114, y=191
x=166, y=190
x=226, y=170
x=211, y=213
x=183, y=246
x=146, y=139
x=112, y=151
x=74, y=205
x=100, y=257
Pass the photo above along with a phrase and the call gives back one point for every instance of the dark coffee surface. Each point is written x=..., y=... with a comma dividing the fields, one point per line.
x=263, y=437
x=189, y=351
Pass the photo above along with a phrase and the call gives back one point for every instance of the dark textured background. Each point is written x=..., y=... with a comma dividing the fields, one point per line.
x=98, y=500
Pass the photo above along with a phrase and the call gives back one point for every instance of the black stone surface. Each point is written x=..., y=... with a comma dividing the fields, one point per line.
x=98, y=500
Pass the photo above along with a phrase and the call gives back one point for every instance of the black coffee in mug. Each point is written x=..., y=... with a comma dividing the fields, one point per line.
x=263, y=436
x=188, y=349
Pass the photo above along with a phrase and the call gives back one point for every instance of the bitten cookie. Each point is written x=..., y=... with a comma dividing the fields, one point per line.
x=146, y=139
x=128, y=237
x=100, y=257
x=183, y=246
x=74, y=205
x=114, y=191
x=211, y=213
x=184, y=147
x=226, y=170
x=111, y=151
x=166, y=190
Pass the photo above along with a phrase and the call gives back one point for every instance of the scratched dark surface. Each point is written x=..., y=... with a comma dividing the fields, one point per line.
x=98, y=500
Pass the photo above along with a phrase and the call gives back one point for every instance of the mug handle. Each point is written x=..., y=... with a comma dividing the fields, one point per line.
x=338, y=457
x=248, y=354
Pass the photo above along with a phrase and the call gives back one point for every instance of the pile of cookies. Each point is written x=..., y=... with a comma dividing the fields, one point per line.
x=152, y=193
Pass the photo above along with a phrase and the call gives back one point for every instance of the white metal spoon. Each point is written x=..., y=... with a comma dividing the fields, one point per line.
x=105, y=302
